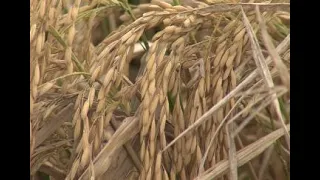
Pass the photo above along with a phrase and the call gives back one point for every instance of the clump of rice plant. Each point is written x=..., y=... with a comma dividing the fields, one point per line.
x=183, y=89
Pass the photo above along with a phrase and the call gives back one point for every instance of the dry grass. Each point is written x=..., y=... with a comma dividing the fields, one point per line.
x=160, y=90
